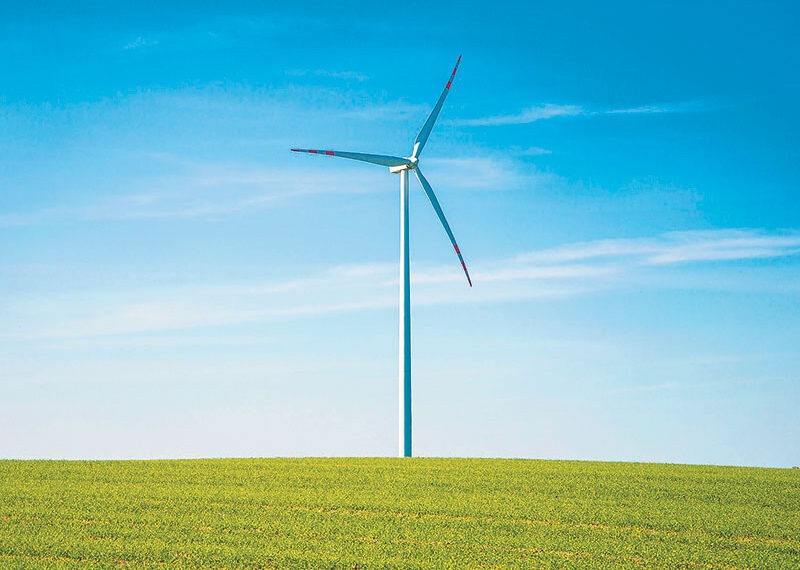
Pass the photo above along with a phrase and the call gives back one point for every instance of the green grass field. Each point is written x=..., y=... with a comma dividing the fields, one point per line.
x=393, y=513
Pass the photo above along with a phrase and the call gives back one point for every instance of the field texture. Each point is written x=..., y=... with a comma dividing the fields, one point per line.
x=393, y=513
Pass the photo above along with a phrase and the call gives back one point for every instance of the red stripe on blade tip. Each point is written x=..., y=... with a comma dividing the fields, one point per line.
x=329, y=152
x=464, y=266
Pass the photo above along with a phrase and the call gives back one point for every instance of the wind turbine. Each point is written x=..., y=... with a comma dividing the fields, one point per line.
x=401, y=165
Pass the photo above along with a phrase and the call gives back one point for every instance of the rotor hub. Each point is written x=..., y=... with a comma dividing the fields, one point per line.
x=411, y=165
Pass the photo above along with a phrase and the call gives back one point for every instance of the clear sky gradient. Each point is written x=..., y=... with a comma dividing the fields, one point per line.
x=622, y=179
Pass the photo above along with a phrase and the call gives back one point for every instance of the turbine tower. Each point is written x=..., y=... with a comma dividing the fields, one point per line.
x=401, y=166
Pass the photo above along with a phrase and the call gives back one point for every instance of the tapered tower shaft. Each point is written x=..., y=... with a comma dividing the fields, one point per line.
x=401, y=165
x=405, y=323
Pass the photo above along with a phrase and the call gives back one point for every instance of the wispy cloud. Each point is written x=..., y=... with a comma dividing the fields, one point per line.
x=325, y=73
x=529, y=115
x=197, y=191
x=677, y=247
x=554, y=273
x=140, y=42
x=191, y=189
x=532, y=151
x=476, y=173
x=644, y=109
x=646, y=388
x=551, y=111
x=212, y=31
x=679, y=107
x=390, y=111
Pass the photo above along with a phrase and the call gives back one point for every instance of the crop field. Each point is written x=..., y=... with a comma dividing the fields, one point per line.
x=395, y=513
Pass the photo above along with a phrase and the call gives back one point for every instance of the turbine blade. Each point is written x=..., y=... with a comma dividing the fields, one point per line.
x=435, y=203
x=425, y=131
x=382, y=159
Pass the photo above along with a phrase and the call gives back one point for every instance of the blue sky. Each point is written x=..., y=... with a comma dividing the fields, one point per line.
x=621, y=177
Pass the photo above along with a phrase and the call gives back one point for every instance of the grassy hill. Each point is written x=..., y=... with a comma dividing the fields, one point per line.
x=393, y=513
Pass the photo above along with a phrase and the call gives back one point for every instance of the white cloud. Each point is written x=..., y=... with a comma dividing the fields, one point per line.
x=390, y=111
x=552, y=110
x=206, y=190
x=676, y=247
x=140, y=42
x=529, y=115
x=726, y=245
x=196, y=190
x=476, y=173
x=344, y=75
x=215, y=30
x=590, y=251
x=680, y=107
x=532, y=151
x=569, y=270
x=640, y=110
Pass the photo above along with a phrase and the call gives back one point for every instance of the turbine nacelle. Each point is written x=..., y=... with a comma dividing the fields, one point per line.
x=411, y=165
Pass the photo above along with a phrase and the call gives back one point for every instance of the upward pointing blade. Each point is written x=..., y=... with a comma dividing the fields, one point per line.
x=426, y=129
x=382, y=159
x=435, y=203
